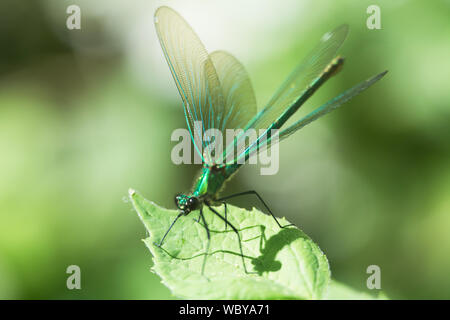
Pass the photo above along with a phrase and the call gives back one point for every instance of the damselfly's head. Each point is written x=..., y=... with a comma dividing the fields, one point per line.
x=186, y=203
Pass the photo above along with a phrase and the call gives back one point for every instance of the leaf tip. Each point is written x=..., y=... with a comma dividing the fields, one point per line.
x=131, y=192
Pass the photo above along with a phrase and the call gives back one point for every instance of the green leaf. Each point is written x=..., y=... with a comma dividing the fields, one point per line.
x=288, y=264
x=339, y=291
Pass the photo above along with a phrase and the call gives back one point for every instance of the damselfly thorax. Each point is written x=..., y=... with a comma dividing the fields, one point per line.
x=207, y=186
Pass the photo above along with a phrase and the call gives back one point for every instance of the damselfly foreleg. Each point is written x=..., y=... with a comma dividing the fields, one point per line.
x=170, y=227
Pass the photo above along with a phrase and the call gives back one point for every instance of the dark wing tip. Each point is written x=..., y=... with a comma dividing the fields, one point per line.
x=380, y=75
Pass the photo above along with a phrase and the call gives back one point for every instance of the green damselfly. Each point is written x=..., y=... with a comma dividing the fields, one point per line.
x=217, y=93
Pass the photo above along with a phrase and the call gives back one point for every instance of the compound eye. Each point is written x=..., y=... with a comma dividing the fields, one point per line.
x=193, y=202
x=180, y=202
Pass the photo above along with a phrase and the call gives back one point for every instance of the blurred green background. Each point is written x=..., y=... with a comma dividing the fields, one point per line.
x=86, y=114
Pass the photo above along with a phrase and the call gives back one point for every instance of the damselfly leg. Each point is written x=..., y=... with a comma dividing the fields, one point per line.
x=250, y=192
x=209, y=239
x=167, y=232
x=237, y=234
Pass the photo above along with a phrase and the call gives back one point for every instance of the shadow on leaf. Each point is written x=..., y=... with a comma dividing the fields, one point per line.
x=268, y=248
x=266, y=261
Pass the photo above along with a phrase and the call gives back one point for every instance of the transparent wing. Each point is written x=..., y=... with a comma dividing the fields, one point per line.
x=238, y=94
x=314, y=70
x=315, y=114
x=239, y=97
x=193, y=72
x=330, y=105
x=302, y=77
